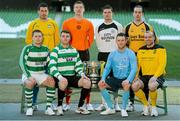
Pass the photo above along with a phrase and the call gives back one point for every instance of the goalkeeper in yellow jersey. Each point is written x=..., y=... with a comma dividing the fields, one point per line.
x=152, y=61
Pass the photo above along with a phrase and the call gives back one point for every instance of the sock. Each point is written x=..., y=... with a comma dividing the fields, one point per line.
x=107, y=98
x=68, y=97
x=35, y=94
x=140, y=94
x=29, y=95
x=61, y=95
x=153, y=97
x=84, y=93
x=125, y=98
x=50, y=93
x=88, y=99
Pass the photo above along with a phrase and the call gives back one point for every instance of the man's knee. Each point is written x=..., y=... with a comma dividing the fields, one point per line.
x=51, y=82
x=29, y=84
x=63, y=84
x=136, y=86
x=86, y=83
x=153, y=86
x=126, y=86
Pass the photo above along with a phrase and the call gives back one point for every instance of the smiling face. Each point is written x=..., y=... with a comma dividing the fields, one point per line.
x=43, y=13
x=37, y=38
x=149, y=38
x=121, y=42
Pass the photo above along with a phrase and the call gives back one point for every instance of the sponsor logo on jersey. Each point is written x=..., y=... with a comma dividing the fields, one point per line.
x=78, y=27
x=49, y=26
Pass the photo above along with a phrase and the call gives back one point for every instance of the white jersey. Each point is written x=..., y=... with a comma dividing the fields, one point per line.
x=106, y=36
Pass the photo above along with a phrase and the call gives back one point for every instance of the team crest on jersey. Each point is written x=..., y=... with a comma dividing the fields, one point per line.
x=36, y=26
x=49, y=26
x=113, y=31
x=78, y=27
x=142, y=30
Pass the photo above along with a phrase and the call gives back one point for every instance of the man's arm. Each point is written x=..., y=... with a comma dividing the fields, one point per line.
x=29, y=34
x=22, y=61
x=56, y=34
x=162, y=61
x=133, y=67
x=107, y=67
x=79, y=65
x=53, y=64
x=90, y=34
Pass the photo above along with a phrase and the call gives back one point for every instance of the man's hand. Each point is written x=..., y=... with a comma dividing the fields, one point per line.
x=153, y=79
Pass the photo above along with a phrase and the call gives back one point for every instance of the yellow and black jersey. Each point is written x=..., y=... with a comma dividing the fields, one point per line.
x=152, y=61
x=135, y=34
x=50, y=30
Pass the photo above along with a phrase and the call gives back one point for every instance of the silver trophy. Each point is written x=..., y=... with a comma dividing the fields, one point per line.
x=91, y=68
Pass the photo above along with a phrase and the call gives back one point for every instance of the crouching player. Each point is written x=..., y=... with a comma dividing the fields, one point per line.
x=33, y=63
x=124, y=66
x=151, y=68
x=64, y=64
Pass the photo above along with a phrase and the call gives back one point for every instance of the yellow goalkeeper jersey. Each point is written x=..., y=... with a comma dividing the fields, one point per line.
x=135, y=33
x=152, y=61
x=49, y=29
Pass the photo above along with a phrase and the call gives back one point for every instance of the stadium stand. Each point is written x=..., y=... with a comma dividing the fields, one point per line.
x=165, y=23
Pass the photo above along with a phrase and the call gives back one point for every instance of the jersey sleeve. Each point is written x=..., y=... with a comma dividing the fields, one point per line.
x=108, y=67
x=133, y=67
x=57, y=36
x=90, y=34
x=53, y=64
x=97, y=37
x=29, y=34
x=78, y=65
x=23, y=60
x=162, y=61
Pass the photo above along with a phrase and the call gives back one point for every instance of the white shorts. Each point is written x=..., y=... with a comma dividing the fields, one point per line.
x=40, y=78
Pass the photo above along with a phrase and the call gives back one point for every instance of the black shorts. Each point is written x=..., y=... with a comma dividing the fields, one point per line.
x=72, y=81
x=114, y=83
x=146, y=79
x=84, y=55
x=103, y=56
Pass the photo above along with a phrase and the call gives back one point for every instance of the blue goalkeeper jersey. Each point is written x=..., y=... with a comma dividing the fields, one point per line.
x=123, y=64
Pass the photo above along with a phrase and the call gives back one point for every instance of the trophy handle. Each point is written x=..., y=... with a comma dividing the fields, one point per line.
x=102, y=67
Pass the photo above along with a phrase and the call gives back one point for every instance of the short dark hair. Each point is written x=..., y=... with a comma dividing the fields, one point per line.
x=79, y=2
x=121, y=35
x=38, y=31
x=67, y=32
x=107, y=7
x=138, y=6
x=42, y=5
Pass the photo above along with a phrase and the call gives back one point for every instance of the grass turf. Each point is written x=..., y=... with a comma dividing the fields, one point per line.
x=10, y=50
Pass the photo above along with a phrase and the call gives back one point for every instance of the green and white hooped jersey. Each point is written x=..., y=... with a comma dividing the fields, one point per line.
x=65, y=62
x=33, y=59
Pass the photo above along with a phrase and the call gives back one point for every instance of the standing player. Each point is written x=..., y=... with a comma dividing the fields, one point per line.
x=135, y=33
x=106, y=33
x=51, y=37
x=123, y=63
x=152, y=61
x=33, y=62
x=82, y=38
